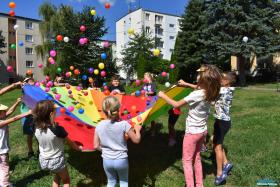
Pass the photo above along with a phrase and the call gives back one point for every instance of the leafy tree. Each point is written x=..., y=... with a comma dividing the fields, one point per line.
x=2, y=43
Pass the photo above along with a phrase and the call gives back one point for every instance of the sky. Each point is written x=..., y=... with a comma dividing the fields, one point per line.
x=29, y=8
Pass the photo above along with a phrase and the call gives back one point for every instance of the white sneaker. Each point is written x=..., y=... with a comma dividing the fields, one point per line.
x=171, y=142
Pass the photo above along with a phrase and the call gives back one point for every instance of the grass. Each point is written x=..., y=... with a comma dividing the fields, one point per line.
x=252, y=145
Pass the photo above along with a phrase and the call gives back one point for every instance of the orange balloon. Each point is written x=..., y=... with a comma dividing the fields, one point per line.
x=90, y=80
x=29, y=72
x=72, y=68
x=106, y=92
x=12, y=5
x=133, y=107
x=12, y=13
x=59, y=38
x=76, y=72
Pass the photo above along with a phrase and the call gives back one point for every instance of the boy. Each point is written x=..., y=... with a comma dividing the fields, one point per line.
x=115, y=87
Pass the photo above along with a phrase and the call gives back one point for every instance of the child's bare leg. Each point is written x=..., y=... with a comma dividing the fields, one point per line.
x=56, y=180
x=29, y=143
x=219, y=158
x=64, y=176
x=171, y=130
x=225, y=160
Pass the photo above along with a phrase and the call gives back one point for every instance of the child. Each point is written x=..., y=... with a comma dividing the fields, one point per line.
x=51, y=138
x=4, y=140
x=10, y=87
x=59, y=81
x=149, y=87
x=27, y=122
x=115, y=87
x=110, y=139
x=222, y=125
x=199, y=102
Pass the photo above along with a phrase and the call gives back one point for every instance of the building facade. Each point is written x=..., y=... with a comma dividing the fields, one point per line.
x=23, y=57
x=163, y=27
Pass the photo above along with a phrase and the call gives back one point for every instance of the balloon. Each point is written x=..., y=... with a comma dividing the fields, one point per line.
x=52, y=53
x=105, y=87
x=103, y=56
x=156, y=52
x=66, y=39
x=13, y=46
x=40, y=65
x=12, y=13
x=164, y=74
x=96, y=71
x=84, y=77
x=143, y=92
x=81, y=41
x=85, y=40
x=58, y=70
x=106, y=44
x=82, y=28
x=90, y=80
x=93, y=12
x=104, y=84
x=90, y=70
x=71, y=108
x=137, y=93
x=85, y=93
x=101, y=65
x=20, y=44
x=78, y=88
x=47, y=89
x=10, y=69
x=139, y=118
x=245, y=39
x=50, y=84
x=29, y=72
x=172, y=66
x=107, y=5
x=59, y=38
x=68, y=74
x=76, y=72
x=106, y=92
x=62, y=110
x=81, y=111
x=12, y=5
x=137, y=82
x=103, y=73
x=47, y=78
x=130, y=31
x=16, y=27
x=167, y=84
x=72, y=68
x=37, y=84
x=67, y=86
x=57, y=96
x=69, y=91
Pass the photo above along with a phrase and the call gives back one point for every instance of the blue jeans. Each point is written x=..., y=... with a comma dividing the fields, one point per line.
x=114, y=169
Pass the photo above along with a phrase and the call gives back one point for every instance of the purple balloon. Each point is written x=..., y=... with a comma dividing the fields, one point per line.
x=90, y=70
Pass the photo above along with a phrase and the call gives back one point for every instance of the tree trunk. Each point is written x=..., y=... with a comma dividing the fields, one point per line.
x=241, y=68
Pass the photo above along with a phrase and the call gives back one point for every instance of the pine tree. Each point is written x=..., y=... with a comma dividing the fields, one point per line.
x=229, y=21
x=2, y=43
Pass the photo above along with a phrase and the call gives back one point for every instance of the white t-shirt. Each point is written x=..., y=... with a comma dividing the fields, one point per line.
x=222, y=106
x=199, y=110
x=4, y=139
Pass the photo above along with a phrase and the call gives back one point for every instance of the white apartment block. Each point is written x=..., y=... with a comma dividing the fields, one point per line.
x=159, y=25
x=24, y=57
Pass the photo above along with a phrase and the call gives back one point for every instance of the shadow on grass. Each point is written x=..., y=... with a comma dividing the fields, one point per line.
x=30, y=178
x=146, y=161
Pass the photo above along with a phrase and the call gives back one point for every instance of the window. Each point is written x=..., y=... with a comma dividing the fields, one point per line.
x=171, y=25
x=159, y=19
x=12, y=33
x=159, y=44
x=29, y=38
x=147, y=17
x=171, y=37
x=29, y=64
x=147, y=30
x=29, y=51
x=28, y=25
x=159, y=31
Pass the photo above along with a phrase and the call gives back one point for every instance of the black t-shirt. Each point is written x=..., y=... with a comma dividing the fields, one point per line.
x=117, y=89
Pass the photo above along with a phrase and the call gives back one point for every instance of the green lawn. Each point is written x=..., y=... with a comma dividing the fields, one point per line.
x=252, y=144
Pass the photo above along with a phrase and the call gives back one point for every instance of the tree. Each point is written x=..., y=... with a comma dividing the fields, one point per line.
x=64, y=21
x=189, y=50
x=229, y=21
x=2, y=43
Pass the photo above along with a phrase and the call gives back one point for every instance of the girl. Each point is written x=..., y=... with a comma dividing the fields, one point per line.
x=199, y=102
x=110, y=139
x=149, y=87
x=51, y=138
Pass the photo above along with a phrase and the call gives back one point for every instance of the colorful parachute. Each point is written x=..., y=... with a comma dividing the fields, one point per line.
x=79, y=111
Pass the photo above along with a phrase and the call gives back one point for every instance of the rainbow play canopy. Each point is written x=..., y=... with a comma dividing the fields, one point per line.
x=79, y=111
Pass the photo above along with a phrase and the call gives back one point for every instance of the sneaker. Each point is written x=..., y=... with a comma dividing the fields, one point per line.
x=227, y=168
x=171, y=142
x=220, y=180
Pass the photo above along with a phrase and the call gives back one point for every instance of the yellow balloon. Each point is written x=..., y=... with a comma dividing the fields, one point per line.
x=130, y=31
x=90, y=80
x=96, y=71
x=78, y=106
x=93, y=12
x=156, y=52
x=101, y=65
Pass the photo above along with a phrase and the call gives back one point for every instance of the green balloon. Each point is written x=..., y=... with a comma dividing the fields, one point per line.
x=59, y=70
x=13, y=46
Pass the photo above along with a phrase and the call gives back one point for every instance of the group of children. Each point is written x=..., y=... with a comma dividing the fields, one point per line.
x=112, y=134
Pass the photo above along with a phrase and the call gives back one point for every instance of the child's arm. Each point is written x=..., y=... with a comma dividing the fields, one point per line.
x=96, y=142
x=175, y=104
x=13, y=119
x=134, y=134
x=73, y=145
x=185, y=84
x=8, y=88
x=13, y=108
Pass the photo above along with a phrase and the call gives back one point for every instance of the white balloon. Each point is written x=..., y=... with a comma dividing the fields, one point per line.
x=16, y=27
x=167, y=84
x=245, y=39
x=66, y=39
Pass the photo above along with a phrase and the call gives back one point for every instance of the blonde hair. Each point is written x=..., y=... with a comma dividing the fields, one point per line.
x=149, y=75
x=210, y=80
x=111, y=107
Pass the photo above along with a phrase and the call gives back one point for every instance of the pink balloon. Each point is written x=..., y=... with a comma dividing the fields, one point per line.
x=82, y=28
x=10, y=69
x=85, y=40
x=71, y=108
x=43, y=82
x=103, y=73
x=106, y=44
x=142, y=92
x=57, y=96
x=48, y=78
x=81, y=41
x=53, y=53
x=164, y=74
x=52, y=61
x=68, y=74
x=50, y=84
x=40, y=65
x=137, y=82
x=172, y=66
x=37, y=84
x=79, y=88
x=139, y=118
x=47, y=89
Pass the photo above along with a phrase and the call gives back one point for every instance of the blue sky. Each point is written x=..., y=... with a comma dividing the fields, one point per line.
x=29, y=8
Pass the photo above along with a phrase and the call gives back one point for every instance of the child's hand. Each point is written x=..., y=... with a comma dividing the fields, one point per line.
x=137, y=127
x=19, y=83
x=161, y=94
x=181, y=82
x=19, y=100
